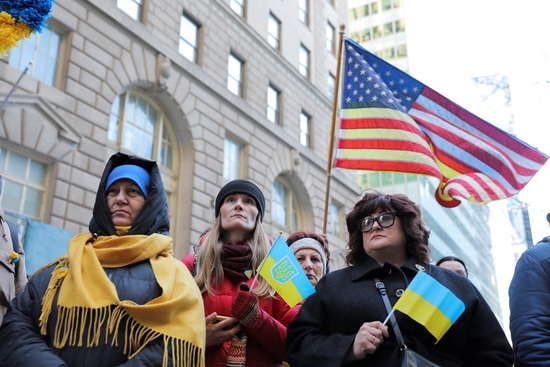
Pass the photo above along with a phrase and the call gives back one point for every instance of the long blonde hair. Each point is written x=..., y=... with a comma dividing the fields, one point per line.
x=209, y=269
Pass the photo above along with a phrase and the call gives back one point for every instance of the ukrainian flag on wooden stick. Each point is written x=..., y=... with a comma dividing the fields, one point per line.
x=431, y=304
x=285, y=274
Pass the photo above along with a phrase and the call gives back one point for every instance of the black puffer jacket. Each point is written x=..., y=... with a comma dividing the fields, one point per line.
x=21, y=343
x=529, y=296
x=325, y=328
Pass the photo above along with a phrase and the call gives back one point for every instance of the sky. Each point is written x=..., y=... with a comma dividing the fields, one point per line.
x=450, y=42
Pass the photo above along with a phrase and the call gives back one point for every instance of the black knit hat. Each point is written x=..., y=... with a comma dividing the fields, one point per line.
x=240, y=186
x=548, y=217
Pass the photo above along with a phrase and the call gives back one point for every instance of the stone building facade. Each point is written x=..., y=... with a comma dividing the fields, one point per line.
x=158, y=79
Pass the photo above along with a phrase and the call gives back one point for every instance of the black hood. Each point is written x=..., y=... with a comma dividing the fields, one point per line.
x=153, y=217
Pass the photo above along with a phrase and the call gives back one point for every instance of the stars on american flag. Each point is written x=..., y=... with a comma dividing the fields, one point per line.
x=371, y=82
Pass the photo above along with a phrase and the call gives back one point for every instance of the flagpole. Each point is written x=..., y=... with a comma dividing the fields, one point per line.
x=333, y=126
x=15, y=86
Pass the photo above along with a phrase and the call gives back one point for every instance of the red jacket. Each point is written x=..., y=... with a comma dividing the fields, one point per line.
x=266, y=342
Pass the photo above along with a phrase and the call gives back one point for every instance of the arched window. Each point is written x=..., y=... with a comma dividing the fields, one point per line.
x=140, y=127
x=284, y=207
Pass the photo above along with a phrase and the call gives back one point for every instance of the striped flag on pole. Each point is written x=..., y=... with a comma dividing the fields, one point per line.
x=392, y=122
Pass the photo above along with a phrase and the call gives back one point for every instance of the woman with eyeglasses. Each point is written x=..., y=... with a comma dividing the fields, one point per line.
x=341, y=324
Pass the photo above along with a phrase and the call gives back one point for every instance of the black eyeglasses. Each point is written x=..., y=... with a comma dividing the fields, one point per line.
x=385, y=220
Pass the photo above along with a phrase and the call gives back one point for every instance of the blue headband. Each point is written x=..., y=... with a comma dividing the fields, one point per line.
x=130, y=172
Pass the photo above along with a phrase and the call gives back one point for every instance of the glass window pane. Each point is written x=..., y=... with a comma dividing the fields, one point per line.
x=304, y=61
x=186, y=50
x=376, y=32
x=112, y=133
x=273, y=105
x=151, y=120
x=188, y=38
x=130, y=7
x=331, y=86
x=17, y=166
x=33, y=201
x=330, y=37
x=375, y=8
x=334, y=220
x=304, y=130
x=231, y=160
x=278, y=206
x=233, y=86
x=387, y=178
x=365, y=36
x=388, y=29
x=37, y=173
x=234, y=69
x=237, y=6
x=294, y=222
x=302, y=11
x=374, y=179
x=402, y=50
x=398, y=178
x=273, y=26
x=399, y=25
x=11, y=195
x=2, y=160
x=168, y=162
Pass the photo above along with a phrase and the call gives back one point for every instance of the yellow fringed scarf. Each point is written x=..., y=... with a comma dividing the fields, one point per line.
x=88, y=298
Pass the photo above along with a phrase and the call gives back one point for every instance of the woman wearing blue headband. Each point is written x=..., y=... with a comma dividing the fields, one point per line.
x=118, y=297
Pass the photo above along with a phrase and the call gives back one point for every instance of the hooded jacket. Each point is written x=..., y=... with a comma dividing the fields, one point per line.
x=529, y=297
x=21, y=343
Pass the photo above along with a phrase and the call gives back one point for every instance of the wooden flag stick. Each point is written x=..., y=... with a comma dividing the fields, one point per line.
x=389, y=315
x=333, y=126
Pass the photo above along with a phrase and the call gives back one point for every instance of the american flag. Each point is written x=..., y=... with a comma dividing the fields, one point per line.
x=392, y=122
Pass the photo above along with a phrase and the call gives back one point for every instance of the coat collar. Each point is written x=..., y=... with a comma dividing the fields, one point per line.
x=370, y=268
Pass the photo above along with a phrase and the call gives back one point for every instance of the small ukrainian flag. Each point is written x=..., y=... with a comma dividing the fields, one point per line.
x=431, y=304
x=285, y=274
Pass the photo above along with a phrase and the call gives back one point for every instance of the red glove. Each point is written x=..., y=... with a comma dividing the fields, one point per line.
x=245, y=307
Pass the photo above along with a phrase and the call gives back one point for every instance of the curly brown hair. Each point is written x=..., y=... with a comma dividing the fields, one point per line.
x=409, y=214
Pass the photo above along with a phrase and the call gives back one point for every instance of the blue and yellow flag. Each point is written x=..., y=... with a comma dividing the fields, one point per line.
x=431, y=304
x=285, y=274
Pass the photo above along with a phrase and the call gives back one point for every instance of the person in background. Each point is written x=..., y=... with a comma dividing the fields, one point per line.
x=252, y=330
x=529, y=298
x=453, y=263
x=312, y=252
x=13, y=274
x=342, y=322
x=118, y=298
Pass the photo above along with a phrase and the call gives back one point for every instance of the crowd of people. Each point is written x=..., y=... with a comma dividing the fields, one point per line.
x=120, y=298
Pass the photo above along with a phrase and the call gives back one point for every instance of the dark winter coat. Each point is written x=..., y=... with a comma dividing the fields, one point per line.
x=325, y=328
x=21, y=343
x=529, y=296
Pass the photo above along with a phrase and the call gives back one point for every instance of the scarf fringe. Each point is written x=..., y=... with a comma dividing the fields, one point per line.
x=73, y=322
x=58, y=274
